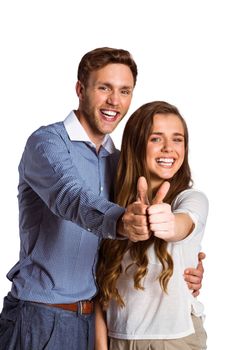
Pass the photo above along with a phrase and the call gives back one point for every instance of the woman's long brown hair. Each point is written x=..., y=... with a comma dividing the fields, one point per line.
x=132, y=165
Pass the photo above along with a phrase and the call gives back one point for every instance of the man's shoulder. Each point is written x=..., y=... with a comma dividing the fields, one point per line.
x=57, y=128
x=54, y=128
x=52, y=133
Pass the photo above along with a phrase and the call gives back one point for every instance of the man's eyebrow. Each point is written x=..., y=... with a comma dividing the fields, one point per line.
x=110, y=85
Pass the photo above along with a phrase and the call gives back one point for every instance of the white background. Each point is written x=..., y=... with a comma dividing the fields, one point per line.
x=184, y=56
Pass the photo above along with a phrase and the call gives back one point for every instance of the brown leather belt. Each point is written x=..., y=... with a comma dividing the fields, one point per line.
x=84, y=307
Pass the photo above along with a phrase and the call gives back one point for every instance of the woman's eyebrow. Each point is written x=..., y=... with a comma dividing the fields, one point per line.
x=162, y=133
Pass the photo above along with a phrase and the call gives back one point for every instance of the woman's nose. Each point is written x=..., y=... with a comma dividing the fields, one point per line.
x=167, y=146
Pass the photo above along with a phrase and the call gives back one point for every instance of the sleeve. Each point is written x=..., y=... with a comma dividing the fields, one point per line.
x=48, y=169
x=195, y=204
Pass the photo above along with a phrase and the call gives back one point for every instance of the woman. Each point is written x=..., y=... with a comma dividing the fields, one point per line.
x=142, y=291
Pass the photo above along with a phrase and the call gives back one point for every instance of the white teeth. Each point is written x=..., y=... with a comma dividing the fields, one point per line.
x=165, y=160
x=109, y=113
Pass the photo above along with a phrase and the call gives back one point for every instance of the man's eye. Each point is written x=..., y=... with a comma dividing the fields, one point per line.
x=125, y=92
x=104, y=88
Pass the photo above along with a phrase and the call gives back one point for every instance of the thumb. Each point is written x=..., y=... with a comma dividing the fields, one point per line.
x=201, y=256
x=161, y=193
x=142, y=188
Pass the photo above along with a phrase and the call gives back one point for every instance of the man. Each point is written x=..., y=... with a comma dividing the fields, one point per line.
x=66, y=181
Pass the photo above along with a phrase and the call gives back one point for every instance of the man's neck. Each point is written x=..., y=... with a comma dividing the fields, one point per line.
x=95, y=138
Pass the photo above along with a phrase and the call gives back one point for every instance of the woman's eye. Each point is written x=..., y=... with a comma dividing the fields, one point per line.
x=178, y=139
x=156, y=139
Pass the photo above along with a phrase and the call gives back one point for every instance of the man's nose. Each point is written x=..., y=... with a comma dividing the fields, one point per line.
x=113, y=98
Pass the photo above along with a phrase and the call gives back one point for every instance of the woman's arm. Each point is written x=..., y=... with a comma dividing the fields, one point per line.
x=101, y=336
x=183, y=226
x=178, y=225
x=169, y=226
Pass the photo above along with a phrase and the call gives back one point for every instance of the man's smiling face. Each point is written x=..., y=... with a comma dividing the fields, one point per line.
x=105, y=100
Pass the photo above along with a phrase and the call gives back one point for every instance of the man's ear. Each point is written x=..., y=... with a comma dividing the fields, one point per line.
x=79, y=89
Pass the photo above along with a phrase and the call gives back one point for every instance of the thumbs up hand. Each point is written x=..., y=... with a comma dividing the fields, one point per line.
x=160, y=216
x=134, y=222
x=142, y=189
x=161, y=193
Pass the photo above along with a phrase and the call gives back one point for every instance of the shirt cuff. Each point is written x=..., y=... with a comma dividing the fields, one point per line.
x=110, y=221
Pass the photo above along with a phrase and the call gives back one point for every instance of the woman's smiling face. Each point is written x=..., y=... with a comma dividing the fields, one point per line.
x=165, y=148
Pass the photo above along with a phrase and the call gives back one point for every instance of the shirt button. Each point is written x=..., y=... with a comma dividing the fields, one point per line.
x=101, y=189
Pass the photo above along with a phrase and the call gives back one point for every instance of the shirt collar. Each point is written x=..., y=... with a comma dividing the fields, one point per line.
x=76, y=132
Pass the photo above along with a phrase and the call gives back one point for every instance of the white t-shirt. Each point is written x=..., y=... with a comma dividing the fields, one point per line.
x=151, y=313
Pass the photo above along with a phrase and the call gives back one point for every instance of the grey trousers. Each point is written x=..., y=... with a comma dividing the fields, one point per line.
x=196, y=341
x=30, y=326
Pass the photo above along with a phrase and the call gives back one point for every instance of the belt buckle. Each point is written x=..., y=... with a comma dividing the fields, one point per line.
x=80, y=307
